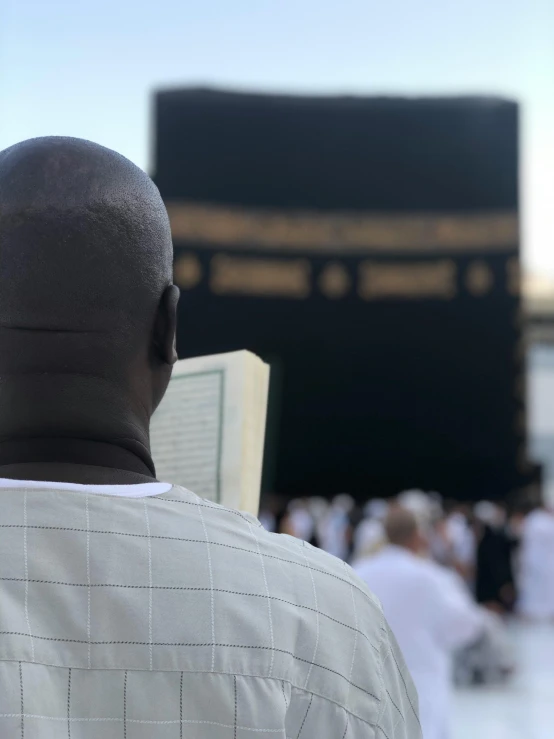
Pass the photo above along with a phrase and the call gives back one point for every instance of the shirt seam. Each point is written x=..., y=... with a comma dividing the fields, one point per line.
x=380, y=671
x=386, y=695
x=300, y=688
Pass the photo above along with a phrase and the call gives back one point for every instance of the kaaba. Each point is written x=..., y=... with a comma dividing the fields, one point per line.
x=368, y=248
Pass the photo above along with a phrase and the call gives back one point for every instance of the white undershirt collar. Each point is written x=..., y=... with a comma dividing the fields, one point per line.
x=140, y=490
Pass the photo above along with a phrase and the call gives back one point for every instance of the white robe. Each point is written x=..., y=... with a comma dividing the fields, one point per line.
x=368, y=537
x=462, y=539
x=302, y=524
x=333, y=532
x=431, y=614
x=536, y=583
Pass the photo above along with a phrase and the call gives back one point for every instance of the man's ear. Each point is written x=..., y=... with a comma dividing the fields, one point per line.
x=165, y=327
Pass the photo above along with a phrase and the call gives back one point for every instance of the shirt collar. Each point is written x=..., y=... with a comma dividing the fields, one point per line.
x=140, y=490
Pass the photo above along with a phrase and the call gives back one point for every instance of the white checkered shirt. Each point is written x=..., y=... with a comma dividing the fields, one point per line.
x=171, y=617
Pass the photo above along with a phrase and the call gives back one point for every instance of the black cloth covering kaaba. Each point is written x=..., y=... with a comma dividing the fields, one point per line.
x=368, y=249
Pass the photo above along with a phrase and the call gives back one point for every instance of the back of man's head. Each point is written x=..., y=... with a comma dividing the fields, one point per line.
x=402, y=529
x=86, y=295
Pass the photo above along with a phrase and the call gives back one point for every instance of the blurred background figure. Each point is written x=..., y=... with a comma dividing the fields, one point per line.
x=496, y=545
x=336, y=527
x=428, y=608
x=369, y=534
x=536, y=580
x=299, y=521
x=318, y=508
x=461, y=541
x=272, y=512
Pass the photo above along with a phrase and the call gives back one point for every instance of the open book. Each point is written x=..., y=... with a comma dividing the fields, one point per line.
x=208, y=432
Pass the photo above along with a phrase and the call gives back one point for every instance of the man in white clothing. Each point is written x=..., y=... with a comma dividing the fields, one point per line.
x=536, y=585
x=130, y=608
x=429, y=610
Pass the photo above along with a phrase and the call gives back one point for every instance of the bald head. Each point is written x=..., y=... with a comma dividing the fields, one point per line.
x=87, y=305
x=85, y=241
x=402, y=528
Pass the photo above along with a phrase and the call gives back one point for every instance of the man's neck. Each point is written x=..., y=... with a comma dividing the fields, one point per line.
x=58, y=427
x=74, y=460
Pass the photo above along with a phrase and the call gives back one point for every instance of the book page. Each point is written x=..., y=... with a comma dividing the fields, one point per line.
x=186, y=433
x=208, y=433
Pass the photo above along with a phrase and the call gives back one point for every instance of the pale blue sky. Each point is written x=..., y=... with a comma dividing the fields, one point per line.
x=87, y=69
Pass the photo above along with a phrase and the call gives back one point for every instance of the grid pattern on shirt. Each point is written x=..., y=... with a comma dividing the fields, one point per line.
x=147, y=605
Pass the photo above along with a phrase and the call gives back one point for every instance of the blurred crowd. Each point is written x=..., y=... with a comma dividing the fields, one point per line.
x=448, y=574
x=503, y=552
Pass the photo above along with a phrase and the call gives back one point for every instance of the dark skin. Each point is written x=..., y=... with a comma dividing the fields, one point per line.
x=87, y=313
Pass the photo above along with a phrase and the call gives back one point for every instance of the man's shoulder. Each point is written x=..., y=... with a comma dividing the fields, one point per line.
x=433, y=570
x=289, y=559
x=404, y=565
x=315, y=598
x=336, y=574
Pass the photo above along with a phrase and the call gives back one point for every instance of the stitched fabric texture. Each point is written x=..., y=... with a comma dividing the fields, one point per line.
x=170, y=616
